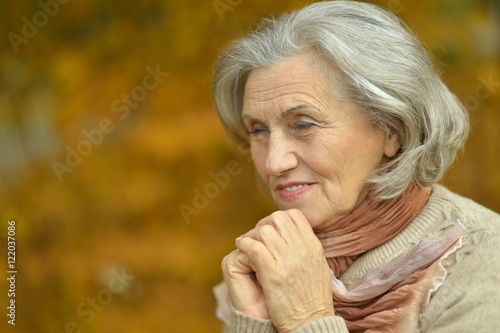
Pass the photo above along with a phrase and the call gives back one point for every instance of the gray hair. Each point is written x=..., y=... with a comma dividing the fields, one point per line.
x=384, y=70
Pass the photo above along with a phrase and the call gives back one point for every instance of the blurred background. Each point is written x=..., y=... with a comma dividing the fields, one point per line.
x=125, y=189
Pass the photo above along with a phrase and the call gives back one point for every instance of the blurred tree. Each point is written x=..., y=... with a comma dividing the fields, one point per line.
x=118, y=206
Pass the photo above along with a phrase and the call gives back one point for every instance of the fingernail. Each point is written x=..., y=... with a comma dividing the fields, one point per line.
x=238, y=239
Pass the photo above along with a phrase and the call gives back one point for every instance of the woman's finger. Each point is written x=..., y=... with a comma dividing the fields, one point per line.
x=236, y=262
x=246, y=295
x=260, y=256
x=283, y=224
x=301, y=223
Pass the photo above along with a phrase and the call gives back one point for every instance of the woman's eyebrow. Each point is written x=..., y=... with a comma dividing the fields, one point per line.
x=249, y=117
x=284, y=114
x=297, y=108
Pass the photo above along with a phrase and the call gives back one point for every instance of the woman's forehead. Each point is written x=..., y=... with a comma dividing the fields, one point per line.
x=293, y=84
x=286, y=85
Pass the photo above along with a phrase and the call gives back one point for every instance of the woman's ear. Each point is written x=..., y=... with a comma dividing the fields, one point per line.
x=392, y=144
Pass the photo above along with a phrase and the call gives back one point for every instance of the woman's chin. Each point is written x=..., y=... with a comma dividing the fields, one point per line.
x=316, y=219
x=313, y=209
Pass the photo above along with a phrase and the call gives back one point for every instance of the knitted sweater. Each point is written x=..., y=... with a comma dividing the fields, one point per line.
x=469, y=298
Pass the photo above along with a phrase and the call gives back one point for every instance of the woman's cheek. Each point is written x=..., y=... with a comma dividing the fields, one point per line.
x=259, y=165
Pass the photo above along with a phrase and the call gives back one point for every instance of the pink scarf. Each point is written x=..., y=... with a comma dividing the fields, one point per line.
x=389, y=297
x=369, y=225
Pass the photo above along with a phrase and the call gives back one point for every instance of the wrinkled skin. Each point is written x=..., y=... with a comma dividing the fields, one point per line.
x=301, y=135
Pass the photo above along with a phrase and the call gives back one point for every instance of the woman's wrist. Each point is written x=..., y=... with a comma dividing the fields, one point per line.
x=298, y=323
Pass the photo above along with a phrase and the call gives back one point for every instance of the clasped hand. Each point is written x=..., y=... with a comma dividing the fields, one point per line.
x=279, y=272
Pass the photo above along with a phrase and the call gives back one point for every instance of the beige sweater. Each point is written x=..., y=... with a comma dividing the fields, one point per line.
x=468, y=300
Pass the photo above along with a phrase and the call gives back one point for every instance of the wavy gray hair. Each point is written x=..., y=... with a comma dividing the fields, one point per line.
x=384, y=70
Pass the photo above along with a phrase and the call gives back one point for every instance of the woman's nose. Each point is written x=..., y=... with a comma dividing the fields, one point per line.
x=281, y=155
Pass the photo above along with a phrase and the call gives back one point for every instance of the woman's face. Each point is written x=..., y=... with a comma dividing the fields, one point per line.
x=313, y=151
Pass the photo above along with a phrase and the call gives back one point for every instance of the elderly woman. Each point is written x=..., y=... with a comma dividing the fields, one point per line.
x=350, y=127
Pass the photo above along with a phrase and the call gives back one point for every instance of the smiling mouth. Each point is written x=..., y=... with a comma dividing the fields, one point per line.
x=293, y=192
x=294, y=187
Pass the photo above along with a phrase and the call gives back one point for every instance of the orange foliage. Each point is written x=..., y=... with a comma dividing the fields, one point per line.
x=117, y=207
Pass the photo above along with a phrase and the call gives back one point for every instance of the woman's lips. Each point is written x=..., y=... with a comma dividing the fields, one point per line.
x=293, y=192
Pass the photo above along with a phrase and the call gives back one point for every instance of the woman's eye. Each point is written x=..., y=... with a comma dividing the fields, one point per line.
x=303, y=125
x=258, y=129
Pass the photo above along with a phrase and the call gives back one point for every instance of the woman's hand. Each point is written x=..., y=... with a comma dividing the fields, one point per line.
x=289, y=263
x=246, y=294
